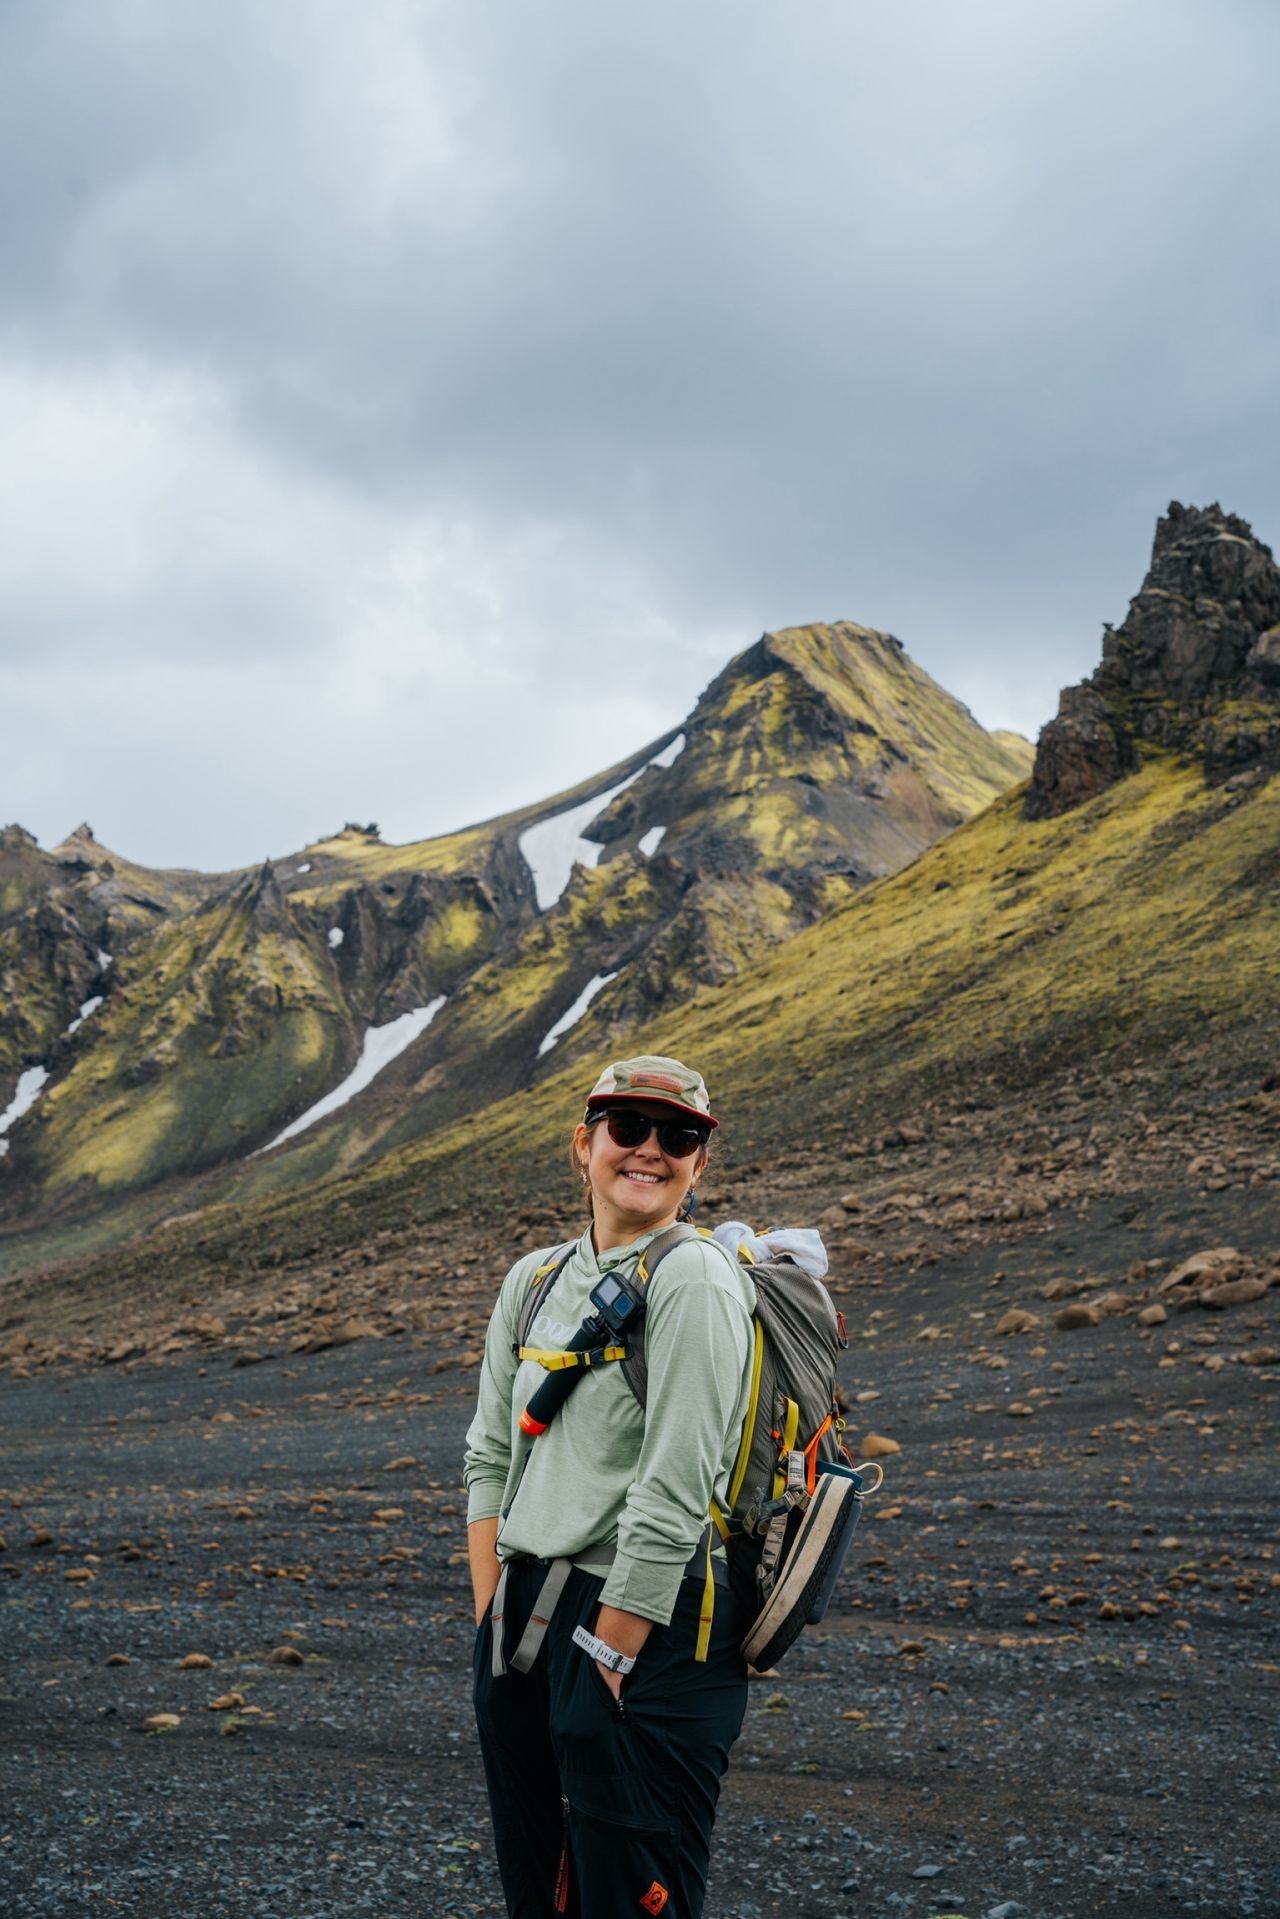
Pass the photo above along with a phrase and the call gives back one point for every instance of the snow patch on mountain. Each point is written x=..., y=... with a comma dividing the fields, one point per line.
x=650, y=841
x=89, y=1006
x=336, y=937
x=381, y=1045
x=28, y=1090
x=670, y=753
x=553, y=847
x=575, y=1012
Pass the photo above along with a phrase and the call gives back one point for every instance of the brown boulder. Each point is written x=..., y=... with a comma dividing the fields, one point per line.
x=1072, y=1318
x=204, y=1326
x=1236, y=1292
x=1017, y=1320
x=1213, y=1261
x=353, y=1329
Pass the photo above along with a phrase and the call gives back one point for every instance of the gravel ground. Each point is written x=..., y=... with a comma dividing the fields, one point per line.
x=1048, y=1688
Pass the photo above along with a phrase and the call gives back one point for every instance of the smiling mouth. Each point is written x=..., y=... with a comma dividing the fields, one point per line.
x=646, y=1179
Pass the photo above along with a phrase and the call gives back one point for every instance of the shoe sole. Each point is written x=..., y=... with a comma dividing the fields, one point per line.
x=812, y=1565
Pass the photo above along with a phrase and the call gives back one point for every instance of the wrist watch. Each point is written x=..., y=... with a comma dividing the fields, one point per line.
x=600, y=1649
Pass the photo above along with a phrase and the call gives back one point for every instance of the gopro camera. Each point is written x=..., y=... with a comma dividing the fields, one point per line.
x=617, y=1309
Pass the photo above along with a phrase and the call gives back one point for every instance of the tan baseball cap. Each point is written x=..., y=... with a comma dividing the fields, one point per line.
x=655, y=1080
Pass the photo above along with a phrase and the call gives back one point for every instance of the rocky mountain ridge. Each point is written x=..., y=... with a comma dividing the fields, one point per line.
x=1194, y=667
x=226, y=1009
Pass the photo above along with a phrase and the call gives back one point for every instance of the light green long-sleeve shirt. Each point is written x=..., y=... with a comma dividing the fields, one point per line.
x=606, y=1472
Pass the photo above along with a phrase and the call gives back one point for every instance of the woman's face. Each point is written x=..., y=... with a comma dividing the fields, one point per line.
x=635, y=1187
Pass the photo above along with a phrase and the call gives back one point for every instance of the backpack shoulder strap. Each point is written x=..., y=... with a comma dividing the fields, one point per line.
x=544, y=1278
x=635, y=1369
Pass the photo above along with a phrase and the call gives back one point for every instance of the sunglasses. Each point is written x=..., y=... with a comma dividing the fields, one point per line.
x=628, y=1128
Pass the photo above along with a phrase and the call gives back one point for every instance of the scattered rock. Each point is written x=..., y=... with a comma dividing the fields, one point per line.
x=1236, y=1292
x=196, y=1662
x=1215, y=1261
x=1017, y=1320
x=353, y=1329
x=162, y=1722
x=1153, y=1315
x=285, y=1656
x=117, y=1659
x=1072, y=1318
x=204, y=1326
x=878, y=1446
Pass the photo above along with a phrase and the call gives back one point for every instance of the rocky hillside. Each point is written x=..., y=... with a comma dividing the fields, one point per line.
x=1035, y=1018
x=353, y=996
x=1194, y=667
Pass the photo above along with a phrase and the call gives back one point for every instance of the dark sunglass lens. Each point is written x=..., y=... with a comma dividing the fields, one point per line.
x=677, y=1141
x=628, y=1129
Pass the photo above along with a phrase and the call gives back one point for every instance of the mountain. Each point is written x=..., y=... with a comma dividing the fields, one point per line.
x=337, y=1003
x=1056, y=1024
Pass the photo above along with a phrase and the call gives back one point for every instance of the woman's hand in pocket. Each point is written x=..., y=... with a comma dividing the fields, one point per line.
x=613, y=1680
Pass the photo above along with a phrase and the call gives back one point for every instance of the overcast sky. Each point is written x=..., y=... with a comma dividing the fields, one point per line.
x=406, y=407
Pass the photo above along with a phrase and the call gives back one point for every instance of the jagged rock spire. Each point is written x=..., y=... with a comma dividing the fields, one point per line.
x=1204, y=629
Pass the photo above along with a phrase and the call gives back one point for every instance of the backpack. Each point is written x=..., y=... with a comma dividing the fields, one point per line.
x=793, y=1497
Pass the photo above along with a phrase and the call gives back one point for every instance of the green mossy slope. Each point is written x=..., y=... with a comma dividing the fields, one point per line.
x=1142, y=926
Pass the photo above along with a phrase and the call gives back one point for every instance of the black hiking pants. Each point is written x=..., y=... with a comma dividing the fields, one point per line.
x=603, y=1808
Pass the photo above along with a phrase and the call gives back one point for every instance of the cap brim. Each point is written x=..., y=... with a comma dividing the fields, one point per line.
x=597, y=1100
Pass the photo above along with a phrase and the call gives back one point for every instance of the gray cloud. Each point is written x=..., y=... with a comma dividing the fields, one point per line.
x=513, y=366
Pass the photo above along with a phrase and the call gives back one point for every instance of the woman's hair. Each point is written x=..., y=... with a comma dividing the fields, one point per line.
x=575, y=1168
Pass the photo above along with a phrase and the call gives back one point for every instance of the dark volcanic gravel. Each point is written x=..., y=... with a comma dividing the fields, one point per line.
x=1048, y=1690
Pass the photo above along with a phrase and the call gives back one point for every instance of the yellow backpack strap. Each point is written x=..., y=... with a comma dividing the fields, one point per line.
x=707, y=1613
x=563, y=1362
x=790, y=1427
x=749, y=1422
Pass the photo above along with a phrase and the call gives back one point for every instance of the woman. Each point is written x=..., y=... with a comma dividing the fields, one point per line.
x=603, y=1751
